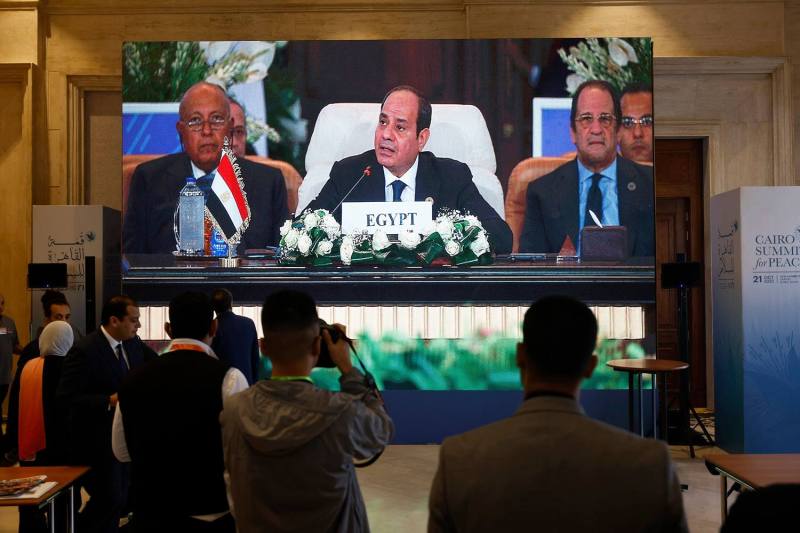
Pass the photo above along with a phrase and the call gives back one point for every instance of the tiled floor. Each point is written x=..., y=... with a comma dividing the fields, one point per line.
x=396, y=490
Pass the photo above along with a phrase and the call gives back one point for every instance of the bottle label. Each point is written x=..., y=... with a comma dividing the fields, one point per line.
x=218, y=248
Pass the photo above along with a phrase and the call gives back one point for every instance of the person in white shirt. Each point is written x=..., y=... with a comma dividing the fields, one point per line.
x=167, y=427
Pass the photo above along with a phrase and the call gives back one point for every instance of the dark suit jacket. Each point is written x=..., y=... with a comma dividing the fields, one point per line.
x=236, y=343
x=551, y=210
x=548, y=468
x=447, y=181
x=90, y=375
x=153, y=196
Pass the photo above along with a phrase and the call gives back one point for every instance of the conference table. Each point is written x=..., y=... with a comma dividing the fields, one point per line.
x=155, y=278
x=753, y=471
x=64, y=477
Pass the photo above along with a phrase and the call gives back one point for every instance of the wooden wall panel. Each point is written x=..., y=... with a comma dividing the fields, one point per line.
x=741, y=104
x=792, y=45
x=15, y=202
x=678, y=29
x=18, y=35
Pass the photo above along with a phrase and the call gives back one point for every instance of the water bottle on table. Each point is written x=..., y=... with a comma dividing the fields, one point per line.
x=191, y=208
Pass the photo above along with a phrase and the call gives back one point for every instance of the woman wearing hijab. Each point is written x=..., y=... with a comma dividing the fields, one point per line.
x=41, y=431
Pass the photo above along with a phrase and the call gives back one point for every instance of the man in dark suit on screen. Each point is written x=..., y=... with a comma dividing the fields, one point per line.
x=616, y=190
x=92, y=373
x=400, y=171
x=205, y=121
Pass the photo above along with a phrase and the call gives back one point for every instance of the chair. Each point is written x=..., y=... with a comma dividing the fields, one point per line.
x=525, y=172
x=291, y=177
x=457, y=131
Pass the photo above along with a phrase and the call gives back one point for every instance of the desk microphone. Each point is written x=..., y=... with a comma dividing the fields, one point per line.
x=367, y=172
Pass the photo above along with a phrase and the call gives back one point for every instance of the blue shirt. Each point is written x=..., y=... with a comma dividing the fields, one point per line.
x=608, y=188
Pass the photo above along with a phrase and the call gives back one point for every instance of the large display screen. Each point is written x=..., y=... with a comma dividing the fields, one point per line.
x=404, y=154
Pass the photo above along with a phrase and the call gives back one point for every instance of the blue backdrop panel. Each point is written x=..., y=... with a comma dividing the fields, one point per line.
x=146, y=131
x=424, y=417
x=555, y=132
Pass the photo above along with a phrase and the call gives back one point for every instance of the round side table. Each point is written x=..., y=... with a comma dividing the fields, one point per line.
x=645, y=366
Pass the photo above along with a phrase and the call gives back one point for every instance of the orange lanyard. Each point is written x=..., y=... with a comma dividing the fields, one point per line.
x=181, y=346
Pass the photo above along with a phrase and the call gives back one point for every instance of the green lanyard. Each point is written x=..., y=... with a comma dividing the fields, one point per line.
x=291, y=378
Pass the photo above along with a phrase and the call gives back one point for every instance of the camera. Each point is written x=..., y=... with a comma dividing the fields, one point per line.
x=325, y=360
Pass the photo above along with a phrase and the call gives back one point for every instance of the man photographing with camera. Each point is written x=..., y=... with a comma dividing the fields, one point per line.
x=289, y=446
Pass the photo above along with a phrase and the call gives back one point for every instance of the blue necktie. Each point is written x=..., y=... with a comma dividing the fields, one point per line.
x=594, y=201
x=121, y=359
x=204, y=183
x=397, y=190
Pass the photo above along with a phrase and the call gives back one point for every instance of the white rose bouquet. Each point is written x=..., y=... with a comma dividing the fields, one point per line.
x=314, y=238
x=621, y=62
x=310, y=239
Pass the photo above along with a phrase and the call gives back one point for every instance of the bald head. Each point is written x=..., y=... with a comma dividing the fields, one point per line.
x=203, y=91
x=205, y=121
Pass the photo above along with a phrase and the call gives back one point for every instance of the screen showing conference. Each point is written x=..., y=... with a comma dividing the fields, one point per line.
x=425, y=191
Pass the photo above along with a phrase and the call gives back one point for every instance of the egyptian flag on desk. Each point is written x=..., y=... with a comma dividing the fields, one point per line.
x=226, y=204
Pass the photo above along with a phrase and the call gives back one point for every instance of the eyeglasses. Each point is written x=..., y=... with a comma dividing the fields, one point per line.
x=215, y=122
x=606, y=120
x=239, y=131
x=629, y=122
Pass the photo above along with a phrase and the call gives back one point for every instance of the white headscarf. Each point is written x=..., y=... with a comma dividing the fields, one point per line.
x=56, y=338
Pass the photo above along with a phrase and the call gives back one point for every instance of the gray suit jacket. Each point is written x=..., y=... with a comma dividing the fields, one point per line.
x=551, y=468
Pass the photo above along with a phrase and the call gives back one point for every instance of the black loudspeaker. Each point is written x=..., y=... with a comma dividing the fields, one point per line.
x=677, y=275
x=47, y=275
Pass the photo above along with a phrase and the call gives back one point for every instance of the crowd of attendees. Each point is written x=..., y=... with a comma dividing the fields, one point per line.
x=187, y=441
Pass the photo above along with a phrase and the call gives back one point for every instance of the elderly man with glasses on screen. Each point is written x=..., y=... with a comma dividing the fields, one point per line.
x=597, y=186
x=205, y=121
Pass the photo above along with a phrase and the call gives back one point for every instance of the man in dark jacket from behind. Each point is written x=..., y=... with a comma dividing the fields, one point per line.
x=289, y=446
x=167, y=427
x=236, y=341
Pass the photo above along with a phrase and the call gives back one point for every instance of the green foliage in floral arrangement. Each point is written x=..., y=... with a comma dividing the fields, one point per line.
x=160, y=71
x=478, y=362
x=315, y=239
x=621, y=62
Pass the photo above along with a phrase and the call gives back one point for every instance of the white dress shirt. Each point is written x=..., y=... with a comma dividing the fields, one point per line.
x=114, y=342
x=233, y=382
x=409, y=178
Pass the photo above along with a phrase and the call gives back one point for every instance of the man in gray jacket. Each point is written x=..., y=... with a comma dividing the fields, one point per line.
x=550, y=467
x=289, y=446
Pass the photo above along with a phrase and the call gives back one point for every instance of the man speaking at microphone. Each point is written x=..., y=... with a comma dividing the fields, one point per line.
x=397, y=170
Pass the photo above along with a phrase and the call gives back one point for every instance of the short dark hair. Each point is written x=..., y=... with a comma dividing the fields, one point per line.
x=424, y=112
x=597, y=84
x=638, y=87
x=560, y=334
x=52, y=297
x=221, y=300
x=288, y=310
x=190, y=315
x=116, y=306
